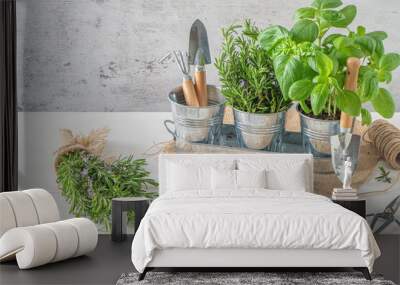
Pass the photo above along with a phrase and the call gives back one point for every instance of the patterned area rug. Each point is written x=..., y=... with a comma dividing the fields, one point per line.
x=244, y=278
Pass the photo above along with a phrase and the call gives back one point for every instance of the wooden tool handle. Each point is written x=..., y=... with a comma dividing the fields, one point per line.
x=190, y=93
x=201, y=87
x=353, y=66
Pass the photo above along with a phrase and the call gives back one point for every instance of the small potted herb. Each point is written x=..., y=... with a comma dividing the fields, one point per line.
x=310, y=64
x=251, y=88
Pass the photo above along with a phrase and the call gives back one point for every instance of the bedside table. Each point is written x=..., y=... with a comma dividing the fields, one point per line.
x=119, y=217
x=356, y=206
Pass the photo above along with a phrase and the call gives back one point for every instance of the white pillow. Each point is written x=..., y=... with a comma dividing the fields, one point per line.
x=226, y=179
x=223, y=179
x=251, y=179
x=291, y=180
x=183, y=177
x=187, y=175
x=281, y=174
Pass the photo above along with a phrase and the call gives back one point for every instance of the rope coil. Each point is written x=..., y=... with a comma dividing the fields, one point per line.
x=386, y=138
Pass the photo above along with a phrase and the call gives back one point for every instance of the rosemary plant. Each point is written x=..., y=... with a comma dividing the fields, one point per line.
x=246, y=72
x=89, y=183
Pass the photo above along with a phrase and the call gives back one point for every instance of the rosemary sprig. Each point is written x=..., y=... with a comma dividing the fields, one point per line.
x=384, y=175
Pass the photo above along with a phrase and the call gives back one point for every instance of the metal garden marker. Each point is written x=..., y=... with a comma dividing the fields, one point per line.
x=199, y=56
x=342, y=147
x=346, y=145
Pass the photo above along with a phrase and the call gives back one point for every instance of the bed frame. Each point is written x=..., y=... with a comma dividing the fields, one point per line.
x=250, y=259
x=236, y=259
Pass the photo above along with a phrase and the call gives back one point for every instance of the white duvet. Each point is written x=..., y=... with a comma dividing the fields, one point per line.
x=250, y=219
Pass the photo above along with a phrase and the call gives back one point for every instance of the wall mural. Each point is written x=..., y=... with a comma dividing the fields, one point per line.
x=382, y=193
x=104, y=56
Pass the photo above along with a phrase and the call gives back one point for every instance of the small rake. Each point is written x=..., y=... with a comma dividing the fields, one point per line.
x=187, y=83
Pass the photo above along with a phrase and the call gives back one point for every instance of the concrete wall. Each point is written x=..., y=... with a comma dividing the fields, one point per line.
x=101, y=55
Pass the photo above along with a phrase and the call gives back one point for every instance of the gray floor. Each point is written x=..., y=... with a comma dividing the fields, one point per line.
x=389, y=262
x=103, y=266
x=110, y=260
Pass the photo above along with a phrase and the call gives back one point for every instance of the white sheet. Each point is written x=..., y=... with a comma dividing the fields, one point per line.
x=250, y=219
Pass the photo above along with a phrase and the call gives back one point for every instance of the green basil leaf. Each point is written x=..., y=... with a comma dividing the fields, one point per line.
x=300, y=90
x=379, y=49
x=349, y=102
x=321, y=63
x=305, y=31
x=304, y=107
x=366, y=118
x=384, y=104
x=332, y=16
x=329, y=39
x=308, y=72
x=320, y=79
x=384, y=76
x=363, y=70
x=324, y=26
x=351, y=51
x=288, y=70
x=367, y=43
x=378, y=35
x=335, y=64
x=341, y=42
x=325, y=4
x=369, y=86
x=389, y=61
x=319, y=97
x=340, y=78
x=361, y=30
x=305, y=13
x=269, y=38
x=324, y=64
x=312, y=62
x=349, y=12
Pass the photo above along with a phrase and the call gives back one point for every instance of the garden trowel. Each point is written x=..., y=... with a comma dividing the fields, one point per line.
x=199, y=56
x=346, y=144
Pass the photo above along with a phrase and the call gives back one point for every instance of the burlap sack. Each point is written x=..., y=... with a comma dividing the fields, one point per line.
x=93, y=143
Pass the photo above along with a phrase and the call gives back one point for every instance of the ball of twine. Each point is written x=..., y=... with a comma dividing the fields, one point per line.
x=386, y=138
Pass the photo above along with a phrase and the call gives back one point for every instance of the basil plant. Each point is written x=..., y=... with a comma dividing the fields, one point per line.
x=310, y=62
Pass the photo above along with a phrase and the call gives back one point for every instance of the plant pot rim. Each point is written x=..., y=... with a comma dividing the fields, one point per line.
x=259, y=114
x=178, y=88
x=311, y=118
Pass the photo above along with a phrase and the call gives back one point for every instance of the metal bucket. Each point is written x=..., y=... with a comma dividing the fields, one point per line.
x=196, y=124
x=316, y=135
x=259, y=131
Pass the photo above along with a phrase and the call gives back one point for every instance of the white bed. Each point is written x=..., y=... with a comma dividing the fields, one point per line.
x=194, y=223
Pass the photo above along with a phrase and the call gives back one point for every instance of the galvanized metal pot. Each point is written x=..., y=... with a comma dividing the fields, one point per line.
x=196, y=124
x=259, y=131
x=316, y=134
